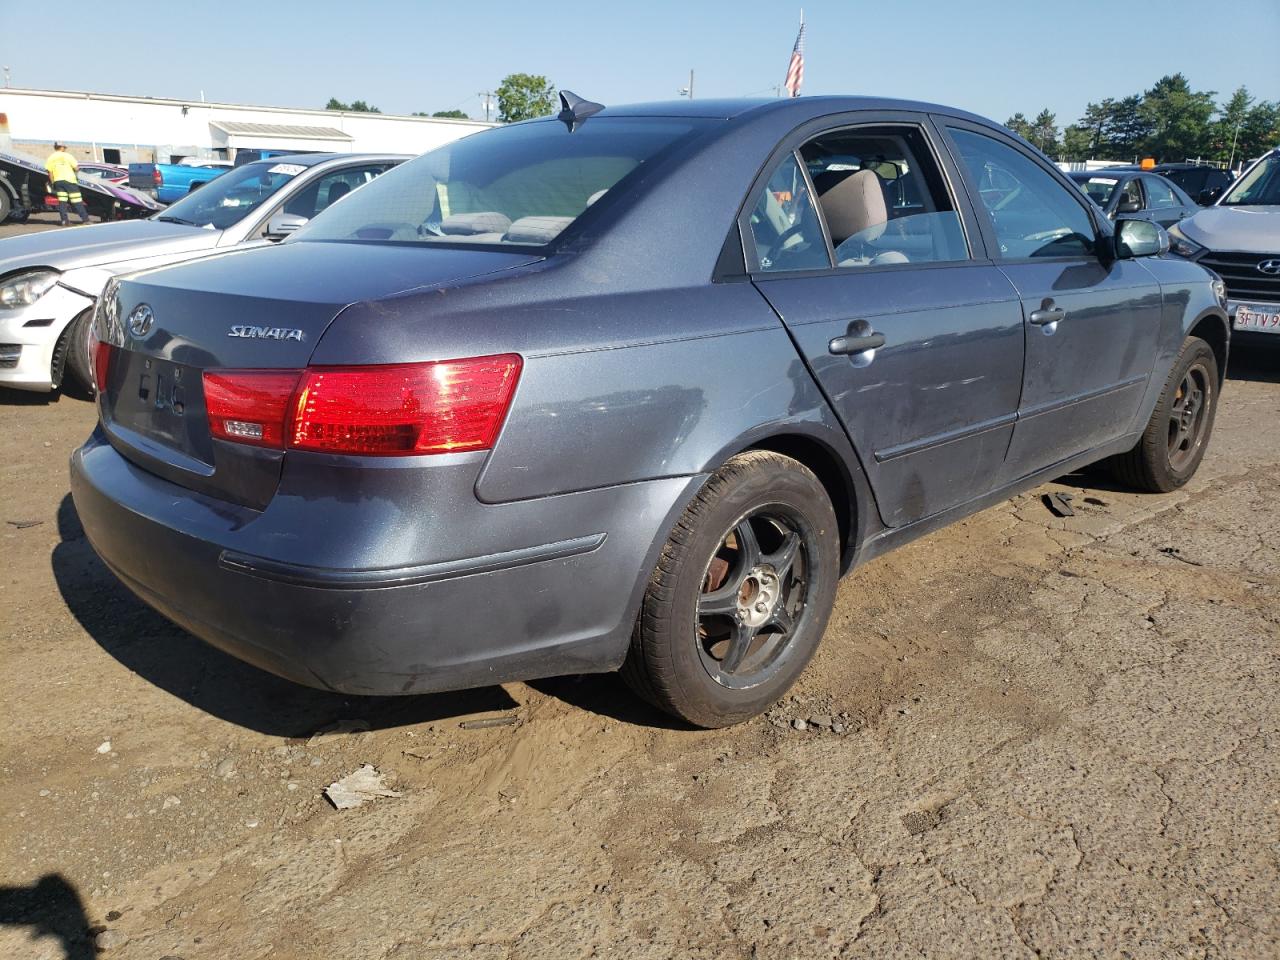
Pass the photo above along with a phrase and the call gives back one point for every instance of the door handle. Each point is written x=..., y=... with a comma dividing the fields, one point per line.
x=1047, y=315
x=855, y=344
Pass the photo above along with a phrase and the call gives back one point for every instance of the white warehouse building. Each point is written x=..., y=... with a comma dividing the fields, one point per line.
x=120, y=129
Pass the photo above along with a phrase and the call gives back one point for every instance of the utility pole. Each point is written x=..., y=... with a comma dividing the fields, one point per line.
x=1230, y=162
x=688, y=91
x=487, y=97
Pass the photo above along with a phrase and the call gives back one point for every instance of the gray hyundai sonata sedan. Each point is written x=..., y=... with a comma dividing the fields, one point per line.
x=629, y=388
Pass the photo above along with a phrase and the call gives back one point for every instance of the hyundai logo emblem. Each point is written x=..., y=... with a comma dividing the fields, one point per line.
x=141, y=320
x=1270, y=267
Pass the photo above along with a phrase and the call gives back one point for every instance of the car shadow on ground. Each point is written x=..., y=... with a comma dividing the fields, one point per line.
x=51, y=907
x=210, y=680
x=605, y=695
x=42, y=398
x=1260, y=362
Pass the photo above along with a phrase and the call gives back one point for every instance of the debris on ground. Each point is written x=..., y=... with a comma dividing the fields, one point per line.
x=359, y=787
x=1177, y=555
x=1096, y=502
x=23, y=524
x=1059, y=503
x=110, y=939
x=921, y=821
x=486, y=722
x=338, y=729
x=104, y=746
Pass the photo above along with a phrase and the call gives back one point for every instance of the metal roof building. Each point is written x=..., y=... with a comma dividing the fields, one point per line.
x=121, y=129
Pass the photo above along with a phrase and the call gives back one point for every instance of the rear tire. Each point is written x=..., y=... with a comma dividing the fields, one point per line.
x=741, y=594
x=1178, y=432
x=6, y=205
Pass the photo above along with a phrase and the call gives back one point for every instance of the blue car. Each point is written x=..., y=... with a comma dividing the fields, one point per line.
x=629, y=388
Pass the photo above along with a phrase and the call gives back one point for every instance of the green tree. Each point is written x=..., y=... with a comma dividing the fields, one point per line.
x=522, y=96
x=1020, y=125
x=1097, y=117
x=356, y=106
x=452, y=114
x=1178, y=119
x=1127, y=128
x=1077, y=142
x=1044, y=132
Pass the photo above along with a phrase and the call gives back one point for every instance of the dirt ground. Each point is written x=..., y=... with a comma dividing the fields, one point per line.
x=1024, y=736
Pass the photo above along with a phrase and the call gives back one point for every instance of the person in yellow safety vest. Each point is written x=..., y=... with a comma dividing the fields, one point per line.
x=65, y=183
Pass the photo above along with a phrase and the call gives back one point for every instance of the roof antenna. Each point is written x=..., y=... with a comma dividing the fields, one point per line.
x=574, y=111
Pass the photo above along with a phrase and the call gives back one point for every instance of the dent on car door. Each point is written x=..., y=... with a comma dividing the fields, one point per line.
x=916, y=343
x=1091, y=321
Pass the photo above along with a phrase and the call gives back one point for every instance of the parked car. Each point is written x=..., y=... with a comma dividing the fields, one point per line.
x=1143, y=196
x=248, y=155
x=170, y=182
x=49, y=282
x=1201, y=181
x=629, y=388
x=104, y=171
x=1239, y=239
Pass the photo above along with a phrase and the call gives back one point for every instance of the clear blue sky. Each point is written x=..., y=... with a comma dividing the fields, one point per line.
x=993, y=58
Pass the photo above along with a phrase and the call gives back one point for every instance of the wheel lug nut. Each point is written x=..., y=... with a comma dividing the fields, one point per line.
x=761, y=608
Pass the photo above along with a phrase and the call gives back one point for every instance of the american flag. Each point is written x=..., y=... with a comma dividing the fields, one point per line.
x=795, y=69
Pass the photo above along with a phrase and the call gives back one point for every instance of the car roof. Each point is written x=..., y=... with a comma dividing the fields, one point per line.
x=727, y=109
x=315, y=159
x=1105, y=172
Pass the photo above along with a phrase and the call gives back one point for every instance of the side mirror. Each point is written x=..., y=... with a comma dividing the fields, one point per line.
x=1207, y=197
x=283, y=224
x=1129, y=206
x=1140, y=238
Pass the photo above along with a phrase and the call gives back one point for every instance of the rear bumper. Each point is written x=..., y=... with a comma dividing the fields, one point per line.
x=31, y=333
x=561, y=602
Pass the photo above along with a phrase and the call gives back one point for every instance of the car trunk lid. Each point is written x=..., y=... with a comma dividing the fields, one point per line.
x=258, y=310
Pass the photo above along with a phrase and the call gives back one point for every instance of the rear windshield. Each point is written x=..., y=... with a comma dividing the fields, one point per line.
x=230, y=197
x=522, y=184
x=1098, y=189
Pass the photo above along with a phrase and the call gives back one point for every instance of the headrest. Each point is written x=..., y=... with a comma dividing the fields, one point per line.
x=853, y=202
x=536, y=229
x=469, y=224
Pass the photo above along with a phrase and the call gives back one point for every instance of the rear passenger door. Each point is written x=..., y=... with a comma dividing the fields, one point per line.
x=1091, y=322
x=861, y=242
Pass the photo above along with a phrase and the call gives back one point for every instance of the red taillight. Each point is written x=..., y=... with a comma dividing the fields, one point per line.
x=249, y=406
x=156, y=176
x=401, y=409
x=100, y=354
x=411, y=408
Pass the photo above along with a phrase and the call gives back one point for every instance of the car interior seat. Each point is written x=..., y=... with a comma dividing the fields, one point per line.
x=857, y=214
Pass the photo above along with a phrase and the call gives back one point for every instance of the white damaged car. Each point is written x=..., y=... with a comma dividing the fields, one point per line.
x=50, y=281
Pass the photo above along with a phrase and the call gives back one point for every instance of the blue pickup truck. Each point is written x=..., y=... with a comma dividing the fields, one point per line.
x=168, y=182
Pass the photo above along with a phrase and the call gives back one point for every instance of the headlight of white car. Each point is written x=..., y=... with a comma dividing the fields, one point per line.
x=1180, y=244
x=25, y=289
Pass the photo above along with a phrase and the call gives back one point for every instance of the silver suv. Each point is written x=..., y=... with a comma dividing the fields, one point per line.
x=1239, y=239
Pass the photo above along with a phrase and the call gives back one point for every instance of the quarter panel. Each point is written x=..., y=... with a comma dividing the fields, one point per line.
x=607, y=417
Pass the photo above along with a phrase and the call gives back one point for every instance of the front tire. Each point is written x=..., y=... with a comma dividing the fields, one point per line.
x=741, y=594
x=1178, y=432
x=77, y=352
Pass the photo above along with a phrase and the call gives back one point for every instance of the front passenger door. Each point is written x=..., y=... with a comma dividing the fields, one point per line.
x=1091, y=322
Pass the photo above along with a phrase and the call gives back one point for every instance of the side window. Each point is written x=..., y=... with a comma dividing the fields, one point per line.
x=329, y=188
x=1130, y=197
x=884, y=200
x=1032, y=214
x=784, y=224
x=1159, y=196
